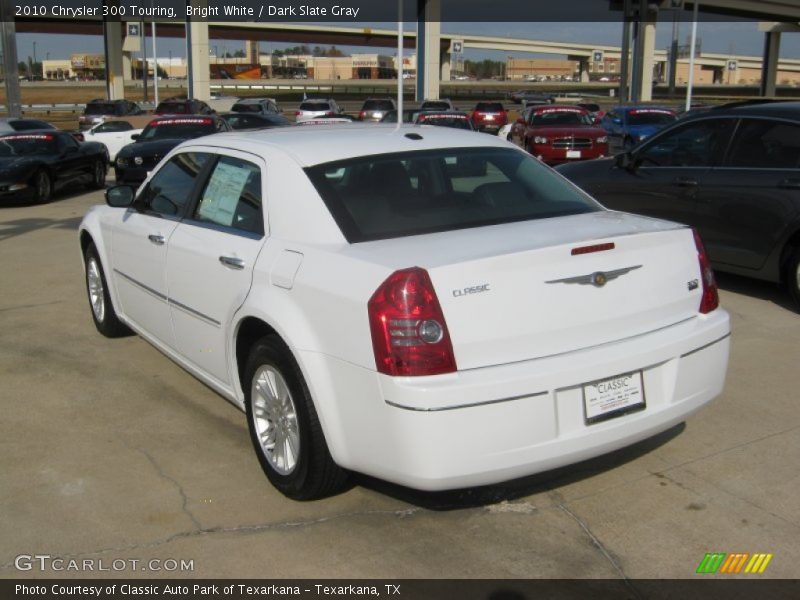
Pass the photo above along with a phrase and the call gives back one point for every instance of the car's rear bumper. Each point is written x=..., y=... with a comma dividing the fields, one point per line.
x=493, y=424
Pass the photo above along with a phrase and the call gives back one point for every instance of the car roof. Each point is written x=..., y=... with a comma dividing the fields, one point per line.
x=779, y=109
x=327, y=143
x=253, y=100
x=181, y=116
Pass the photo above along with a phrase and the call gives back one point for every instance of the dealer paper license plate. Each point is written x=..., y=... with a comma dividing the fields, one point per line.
x=573, y=153
x=613, y=397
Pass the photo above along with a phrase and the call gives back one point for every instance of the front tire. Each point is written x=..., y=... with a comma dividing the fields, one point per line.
x=43, y=187
x=105, y=317
x=793, y=277
x=284, y=426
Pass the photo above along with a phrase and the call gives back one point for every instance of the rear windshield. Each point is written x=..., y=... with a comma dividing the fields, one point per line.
x=412, y=193
x=650, y=118
x=489, y=107
x=100, y=108
x=378, y=105
x=246, y=108
x=315, y=106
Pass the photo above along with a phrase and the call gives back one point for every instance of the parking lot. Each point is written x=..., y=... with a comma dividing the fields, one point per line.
x=108, y=450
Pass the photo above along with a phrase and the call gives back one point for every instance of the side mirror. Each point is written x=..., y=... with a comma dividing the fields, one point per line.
x=626, y=161
x=596, y=120
x=135, y=136
x=120, y=196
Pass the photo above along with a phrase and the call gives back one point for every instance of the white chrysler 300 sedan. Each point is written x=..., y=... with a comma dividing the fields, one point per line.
x=425, y=305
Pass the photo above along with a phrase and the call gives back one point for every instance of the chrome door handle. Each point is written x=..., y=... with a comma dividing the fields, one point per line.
x=158, y=240
x=232, y=262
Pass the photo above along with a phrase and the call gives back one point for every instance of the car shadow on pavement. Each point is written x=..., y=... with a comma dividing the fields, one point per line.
x=18, y=227
x=756, y=288
x=518, y=488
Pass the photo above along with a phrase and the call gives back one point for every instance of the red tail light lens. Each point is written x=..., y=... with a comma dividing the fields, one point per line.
x=409, y=333
x=297, y=113
x=362, y=115
x=710, y=299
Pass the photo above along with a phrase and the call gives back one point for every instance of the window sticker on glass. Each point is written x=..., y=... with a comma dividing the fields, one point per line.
x=222, y=193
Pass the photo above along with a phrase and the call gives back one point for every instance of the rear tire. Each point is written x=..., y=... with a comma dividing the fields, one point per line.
x=793, y=277
x=103, y=314
x=98, y=175
x=284, y=426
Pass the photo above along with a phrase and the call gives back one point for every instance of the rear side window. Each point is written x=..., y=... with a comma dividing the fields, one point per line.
x=232, y=196
x=766, y=144
x=411, y=193
x=169, y=190
x=175, y=108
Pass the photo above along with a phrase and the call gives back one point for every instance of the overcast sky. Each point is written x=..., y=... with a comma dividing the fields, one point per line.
x=733, y=38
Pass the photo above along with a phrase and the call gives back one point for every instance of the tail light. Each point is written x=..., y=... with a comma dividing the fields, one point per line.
x=297, y=113
x=362, y=115
x=330, y=113
x=409, y=333
x=710, y=299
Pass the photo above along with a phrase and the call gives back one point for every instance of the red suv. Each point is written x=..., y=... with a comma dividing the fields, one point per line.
x=488, y=117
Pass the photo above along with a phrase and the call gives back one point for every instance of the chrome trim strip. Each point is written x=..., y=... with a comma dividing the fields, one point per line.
x=193, y=312
x=138, y=284
x=168, y=300
x=485, y=403
x=727, y=335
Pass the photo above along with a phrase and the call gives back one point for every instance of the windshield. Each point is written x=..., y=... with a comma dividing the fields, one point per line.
x=173, y=108
x=435, y=106
x=27, y=144
x=177, y=129
x=378, y=105
x=412, y=193
x=561, y=117
x=650, y=118
x=454, y=121
x=99, y=108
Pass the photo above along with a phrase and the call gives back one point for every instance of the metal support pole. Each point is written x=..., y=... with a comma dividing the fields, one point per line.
x=189, y=65
x=399, y=63
x=144, y=58
x=692, y=57
x=8, y=45
x=626, y=50
x=421, y=51
x=673, y=53
x=155, y=65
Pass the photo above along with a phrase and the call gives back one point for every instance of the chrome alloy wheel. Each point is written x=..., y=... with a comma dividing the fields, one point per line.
x=275, y=419
x=96, y=292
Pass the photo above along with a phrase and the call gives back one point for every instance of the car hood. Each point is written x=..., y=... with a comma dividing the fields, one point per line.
x=149, y=148
x=577, y=131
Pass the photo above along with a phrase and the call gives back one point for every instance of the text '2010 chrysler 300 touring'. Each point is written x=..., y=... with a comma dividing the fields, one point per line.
x=429, y=306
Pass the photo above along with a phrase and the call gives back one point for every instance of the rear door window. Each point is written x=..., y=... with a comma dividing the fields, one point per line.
x=765, y=144
x=232, y=197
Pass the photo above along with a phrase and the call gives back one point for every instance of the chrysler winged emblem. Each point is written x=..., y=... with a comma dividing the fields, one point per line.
x=598, y=278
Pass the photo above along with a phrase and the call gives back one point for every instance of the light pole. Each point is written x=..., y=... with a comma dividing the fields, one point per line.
x=170, y=65
x=34, y=59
